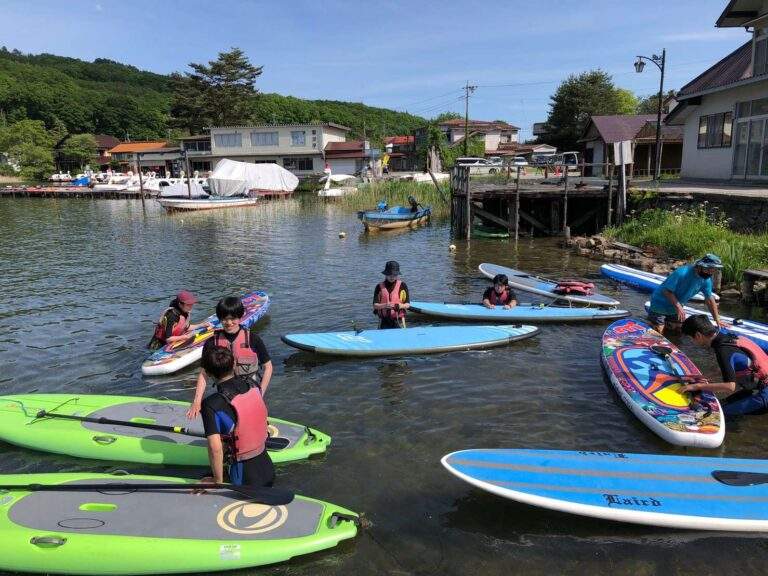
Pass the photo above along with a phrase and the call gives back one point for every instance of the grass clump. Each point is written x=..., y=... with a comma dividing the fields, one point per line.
x=395, y=193
x=691, y=233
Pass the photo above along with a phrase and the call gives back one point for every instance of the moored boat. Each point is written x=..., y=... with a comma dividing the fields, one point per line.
x=210, y=203
x=395, y=217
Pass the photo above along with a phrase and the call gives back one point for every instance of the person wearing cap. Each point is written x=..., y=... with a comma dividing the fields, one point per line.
x=173, y=325
x=683, y=284
x=500, y=294
x=390, y=298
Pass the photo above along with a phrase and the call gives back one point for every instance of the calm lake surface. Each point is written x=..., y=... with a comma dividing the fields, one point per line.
x=82, y=282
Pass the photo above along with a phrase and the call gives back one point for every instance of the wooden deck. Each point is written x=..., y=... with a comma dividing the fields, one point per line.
x=60, y=192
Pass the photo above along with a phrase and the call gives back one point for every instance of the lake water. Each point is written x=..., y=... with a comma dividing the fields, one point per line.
x=81, y=283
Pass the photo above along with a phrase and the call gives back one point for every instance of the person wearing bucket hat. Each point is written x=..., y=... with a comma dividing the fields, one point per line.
x=173, y=325
x=670, y=296
x=391, y=298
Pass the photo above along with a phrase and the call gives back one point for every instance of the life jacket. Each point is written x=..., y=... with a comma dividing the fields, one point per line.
x=249, y=436
x=499, y=299
x=576, y=287
x=758, y=361
x=246, y=360
x=386, y=297
x=178, y=329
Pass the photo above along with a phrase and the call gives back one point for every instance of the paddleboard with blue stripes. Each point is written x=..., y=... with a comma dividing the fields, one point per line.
x=686, y=492
x=640, y=279
x=519, y=313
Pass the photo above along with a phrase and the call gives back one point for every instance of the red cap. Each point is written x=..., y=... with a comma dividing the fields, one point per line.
x=186, y=297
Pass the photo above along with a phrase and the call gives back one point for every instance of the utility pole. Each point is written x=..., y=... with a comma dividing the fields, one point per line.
x=661, y=62
x=467, y=91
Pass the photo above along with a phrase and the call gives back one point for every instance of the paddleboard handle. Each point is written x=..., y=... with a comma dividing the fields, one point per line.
x=337, y=517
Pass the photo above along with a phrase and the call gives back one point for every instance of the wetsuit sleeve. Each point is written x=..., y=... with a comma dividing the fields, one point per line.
x=208, y=414
x=487, y=293
x=512, y=294
x=405, y=296
x=218, y=417
x=257, y=345
x=171, y=318
x=376, y=294
x=725, y=361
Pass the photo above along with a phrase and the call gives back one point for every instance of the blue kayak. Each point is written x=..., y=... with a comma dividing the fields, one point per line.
x=672, y=491
x=640, y=279
x=400, y=341
x=519, y=313
x=396, y=217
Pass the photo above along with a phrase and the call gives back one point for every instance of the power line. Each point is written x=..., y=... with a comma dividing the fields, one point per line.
x=431, y=98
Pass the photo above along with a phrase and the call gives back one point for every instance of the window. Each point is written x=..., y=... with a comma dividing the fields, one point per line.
x=298, y=163
x=198, y=146
x=715, y=130
x=230, y=140
x=264, y=139
x=760, y=66
x=298, y=138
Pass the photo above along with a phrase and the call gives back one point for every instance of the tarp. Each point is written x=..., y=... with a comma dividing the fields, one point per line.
x=232, y=178
x=179, y=190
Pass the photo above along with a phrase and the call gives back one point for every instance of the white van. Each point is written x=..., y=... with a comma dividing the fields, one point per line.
x=478, y=165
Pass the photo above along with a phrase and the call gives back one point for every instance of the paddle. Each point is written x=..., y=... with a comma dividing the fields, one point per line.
x=737, y=478
x=273, y=444
x=270, y=496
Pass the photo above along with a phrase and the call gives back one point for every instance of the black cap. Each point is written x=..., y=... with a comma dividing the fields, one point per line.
x=391, y=268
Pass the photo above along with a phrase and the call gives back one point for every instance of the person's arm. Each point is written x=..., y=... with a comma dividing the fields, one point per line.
x=713, y=309
x=265, y=362
x=216, y=457
x=202, y=382
x=376, y=304
x=487, y=299
x=724, y=361
x=670, y=296
x=709, y=387
x=512, y=300
x=266, y=376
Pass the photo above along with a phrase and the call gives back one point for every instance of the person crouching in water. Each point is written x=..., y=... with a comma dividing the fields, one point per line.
x=235, y=424
x=500, y=294
x=743, y=364
x=251, y=357
x=174, y=325
x=390, y=298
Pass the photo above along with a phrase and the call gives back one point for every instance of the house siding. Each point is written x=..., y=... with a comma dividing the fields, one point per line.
x=714, y=163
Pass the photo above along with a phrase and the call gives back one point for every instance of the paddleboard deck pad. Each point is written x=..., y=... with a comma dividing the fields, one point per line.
x=173, y=357
x=649, y=384
x=519, y=313
x=520, y=280
x=20, y=426
x=656, y=490
x=121, y=531
x=407, y=341
x=755, y=331
x=640, y=279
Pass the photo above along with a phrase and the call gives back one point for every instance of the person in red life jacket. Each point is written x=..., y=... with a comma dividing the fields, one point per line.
x=251, y=357
x=390, y=298
x=743, y=365
x=174, y=325
x=235, y=424
x=500, y=294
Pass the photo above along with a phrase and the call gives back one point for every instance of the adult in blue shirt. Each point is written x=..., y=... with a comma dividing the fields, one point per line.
x=669, y=298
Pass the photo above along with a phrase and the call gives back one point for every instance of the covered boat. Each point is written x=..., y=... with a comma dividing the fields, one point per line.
x=232, y=178
x=384, y=218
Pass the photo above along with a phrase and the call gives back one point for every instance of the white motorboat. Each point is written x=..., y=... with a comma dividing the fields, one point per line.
x=210, y=203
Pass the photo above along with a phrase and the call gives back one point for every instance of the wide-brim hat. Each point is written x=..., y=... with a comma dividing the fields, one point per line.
x=391, y=268
x=709, y=261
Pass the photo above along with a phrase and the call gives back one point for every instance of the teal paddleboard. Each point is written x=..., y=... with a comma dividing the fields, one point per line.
x=519, y=313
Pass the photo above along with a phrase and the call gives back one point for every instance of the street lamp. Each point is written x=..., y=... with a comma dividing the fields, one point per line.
x=660, y=61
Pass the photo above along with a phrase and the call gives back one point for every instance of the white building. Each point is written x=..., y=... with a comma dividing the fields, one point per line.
x=296, y=147
x=493, y=133
x=724, y=111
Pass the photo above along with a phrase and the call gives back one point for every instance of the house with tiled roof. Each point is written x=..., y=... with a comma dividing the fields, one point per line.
x=399, y=153
x=602, y=132
x=493, y=133
x=723, y=112
x=350, y=156
x=151, y=155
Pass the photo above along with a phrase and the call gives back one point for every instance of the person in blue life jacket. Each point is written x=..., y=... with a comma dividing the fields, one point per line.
x=500, y=294
x=235, y=424
x=743, y=365
x=391, y=298
x=668, y=299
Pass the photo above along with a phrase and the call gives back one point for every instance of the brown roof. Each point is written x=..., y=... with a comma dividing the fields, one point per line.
x=738, y=12
x=734, y=67
x=345, y=146
x=398, y=140
x=106, y=141
x=480, y=124
x=139, y=146
x=669, y=133
x=618, y=127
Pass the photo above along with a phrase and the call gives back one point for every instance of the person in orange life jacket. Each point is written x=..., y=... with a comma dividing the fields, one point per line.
x=235, y=424
x=174, y=325
x=500, y=294
x=251, y=357
x=743, y=364
x=390, y=298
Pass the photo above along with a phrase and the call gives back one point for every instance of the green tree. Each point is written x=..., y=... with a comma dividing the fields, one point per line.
x=219, y=94
x=650, y=104
x=80, y=147
x=475, y=149
x=575, y=100
x=627, y=101
x=28, y=144
x=443, y=116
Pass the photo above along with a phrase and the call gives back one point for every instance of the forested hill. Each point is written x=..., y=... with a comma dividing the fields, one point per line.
x=106, y=97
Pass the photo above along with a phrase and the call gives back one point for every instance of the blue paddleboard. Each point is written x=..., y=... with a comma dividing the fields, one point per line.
x=672, y=491
x=519, y=313
x=400, y=341
x=640, y=279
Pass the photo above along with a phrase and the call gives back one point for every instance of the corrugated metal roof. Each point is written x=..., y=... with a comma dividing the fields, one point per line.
x=480, y=124
x=733, y=68
x=398, y=140
x=618, y=128
x=138, y=146
x=345, y=146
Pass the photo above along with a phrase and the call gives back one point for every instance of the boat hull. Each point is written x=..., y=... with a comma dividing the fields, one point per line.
x=187, y=205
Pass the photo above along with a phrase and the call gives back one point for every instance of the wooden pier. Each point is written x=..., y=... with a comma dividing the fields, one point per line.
x=61, y=192
x=548, y=207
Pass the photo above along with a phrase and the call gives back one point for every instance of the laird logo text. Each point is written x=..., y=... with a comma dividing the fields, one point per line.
x=634, y=501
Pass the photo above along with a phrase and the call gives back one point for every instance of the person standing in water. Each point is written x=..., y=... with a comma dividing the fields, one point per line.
x=391, y=298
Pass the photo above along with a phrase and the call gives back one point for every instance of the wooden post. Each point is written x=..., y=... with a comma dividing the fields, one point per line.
x=610, y=193
x=189, y=175
x=565, y=198
x=469, y=206
x=517, y=204
x=141, y=181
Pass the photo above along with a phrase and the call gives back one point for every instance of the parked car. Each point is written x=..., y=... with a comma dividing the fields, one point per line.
x=478, y=165
x=541, y=159
x=519, y=161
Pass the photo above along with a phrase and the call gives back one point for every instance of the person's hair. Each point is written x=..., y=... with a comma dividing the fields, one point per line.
x=218, y=361
x=501, y=279
x=698, y=323
x=230, y=306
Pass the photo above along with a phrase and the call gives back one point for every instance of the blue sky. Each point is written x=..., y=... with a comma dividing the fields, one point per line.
x=405, y=55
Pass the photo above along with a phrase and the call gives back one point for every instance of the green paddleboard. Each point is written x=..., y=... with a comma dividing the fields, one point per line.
x=20, y=426
x=125, y=531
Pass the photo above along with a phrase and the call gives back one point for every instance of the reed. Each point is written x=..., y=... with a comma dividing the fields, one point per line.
x=396, y=192
x=688, y=234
